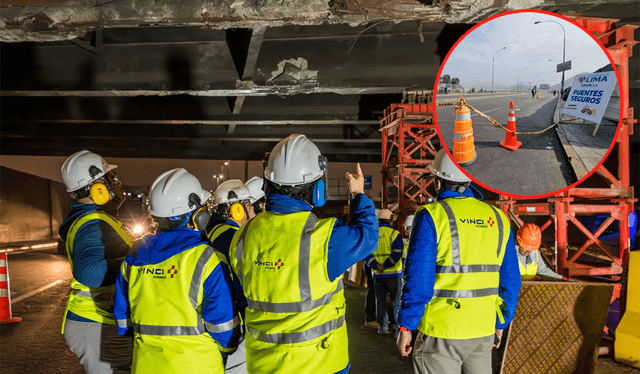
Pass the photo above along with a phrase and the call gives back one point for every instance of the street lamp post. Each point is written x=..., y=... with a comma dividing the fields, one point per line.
x=493, y=66
x=564, y=44
x=556, y=61
x=519, y=78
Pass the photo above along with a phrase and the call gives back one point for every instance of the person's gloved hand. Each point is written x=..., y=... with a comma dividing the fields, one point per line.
x=355, y=182
x=380, y=268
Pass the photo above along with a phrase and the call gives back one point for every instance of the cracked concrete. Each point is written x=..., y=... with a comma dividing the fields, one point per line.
x=20, y=20
x=294, y=72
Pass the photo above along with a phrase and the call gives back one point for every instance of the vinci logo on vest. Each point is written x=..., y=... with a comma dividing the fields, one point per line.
x=158, y=272
x=270, y=265
x=477, y=222
x=491, y=222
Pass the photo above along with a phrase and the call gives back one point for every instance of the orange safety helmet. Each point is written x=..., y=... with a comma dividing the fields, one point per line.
x=529, y=237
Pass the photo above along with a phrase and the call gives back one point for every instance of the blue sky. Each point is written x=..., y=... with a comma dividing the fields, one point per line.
x=529, y=47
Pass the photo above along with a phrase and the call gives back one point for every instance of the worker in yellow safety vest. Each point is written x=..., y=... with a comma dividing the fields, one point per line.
x=96, y=243
x=174, y=292
x=529, y=240
x=461, y=279
x=231, y=208
x=291, y=263
x=386, y=265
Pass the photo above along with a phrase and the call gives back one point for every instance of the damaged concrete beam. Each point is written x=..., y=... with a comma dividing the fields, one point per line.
x=55, y=20
x=51, y=20
x=247, y=89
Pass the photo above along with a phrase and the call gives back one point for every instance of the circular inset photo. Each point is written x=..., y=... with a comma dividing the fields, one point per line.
x=528, y=103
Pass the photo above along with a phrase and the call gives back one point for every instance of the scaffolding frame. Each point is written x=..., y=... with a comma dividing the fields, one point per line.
x=409, y=128
x=596, y=258
x=407, y=150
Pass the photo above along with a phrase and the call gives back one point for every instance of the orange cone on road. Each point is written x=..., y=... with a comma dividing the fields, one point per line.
x=538, y=95
x=5, y=295
x=510, y=139
x=464, y=150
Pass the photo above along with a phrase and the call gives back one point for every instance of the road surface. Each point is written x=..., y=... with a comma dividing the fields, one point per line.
x=35, y=345
x=538, y=167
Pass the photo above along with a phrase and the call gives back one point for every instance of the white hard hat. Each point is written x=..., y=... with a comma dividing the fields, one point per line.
x=443, y=167
x=295, y=161
x=171, y=194
x=255, y=189
x=83, y=168
x=377, y=213
x=385, y=214
x=231, y=191
x=408, y=222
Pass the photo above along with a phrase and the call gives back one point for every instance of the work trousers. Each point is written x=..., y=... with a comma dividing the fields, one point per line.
x=370, y=301
x=452, y=356
x=98, y=347
x=384, y=286
x=237, y=362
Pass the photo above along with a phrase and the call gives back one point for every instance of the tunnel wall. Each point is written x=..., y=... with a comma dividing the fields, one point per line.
x=31, y=208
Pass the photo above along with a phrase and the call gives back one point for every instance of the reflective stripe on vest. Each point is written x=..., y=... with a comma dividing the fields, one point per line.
x=297, y=337
x=307, y=303
x=500, y=230
x=239, y=251
x=295, y=307
x=96, y=215
x=528, y=271
x=180, y=330
x=465, y=301
x=465, y=294
x=455, y=248
x=194, y=287
x=219, y=229
x=296, y=314
x=385, y=243
x=93, y=303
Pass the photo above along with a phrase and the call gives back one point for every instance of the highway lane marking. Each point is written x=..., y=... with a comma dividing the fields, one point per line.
x=486, y=111
x=26, y=248
x=34, y=292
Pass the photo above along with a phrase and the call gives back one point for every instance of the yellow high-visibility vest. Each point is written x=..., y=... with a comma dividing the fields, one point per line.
x=296, y=315
x=384, y=251
x=472, y=238
x=528, y=271
x=218, y=230
x=170, y=335
x=94, y=303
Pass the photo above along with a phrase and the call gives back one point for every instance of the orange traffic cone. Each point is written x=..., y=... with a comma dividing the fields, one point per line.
x=5, y=295
x=464, y=151
x=510, y=139
x=538, y=95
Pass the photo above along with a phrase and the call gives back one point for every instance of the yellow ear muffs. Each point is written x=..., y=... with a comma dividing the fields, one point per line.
x=99, y=193
x=237, y=211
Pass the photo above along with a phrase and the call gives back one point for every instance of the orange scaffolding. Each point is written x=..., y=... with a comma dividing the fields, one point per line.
x=577, y=251
x=407, y=150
